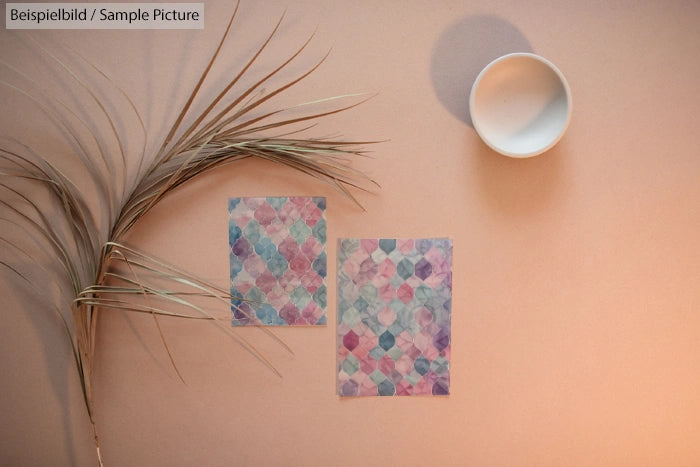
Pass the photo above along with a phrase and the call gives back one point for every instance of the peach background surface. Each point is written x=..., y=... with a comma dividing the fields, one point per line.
x=576, y=302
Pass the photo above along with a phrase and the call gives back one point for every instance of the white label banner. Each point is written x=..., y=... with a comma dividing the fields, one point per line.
x=104, y=15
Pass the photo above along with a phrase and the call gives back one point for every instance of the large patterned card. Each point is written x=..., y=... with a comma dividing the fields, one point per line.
x=394, y=313
x=278, y=260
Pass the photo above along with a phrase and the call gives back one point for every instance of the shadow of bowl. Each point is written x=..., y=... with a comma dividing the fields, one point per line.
x=463, y=50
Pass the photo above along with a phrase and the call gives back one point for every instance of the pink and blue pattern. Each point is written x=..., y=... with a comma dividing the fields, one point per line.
x=278, y=260
x=394, y=315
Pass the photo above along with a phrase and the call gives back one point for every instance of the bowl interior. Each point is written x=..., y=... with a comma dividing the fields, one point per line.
x=520, y=105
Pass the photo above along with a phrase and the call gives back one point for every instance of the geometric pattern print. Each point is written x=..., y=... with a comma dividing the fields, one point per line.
x=394, y=314
x=278, y=260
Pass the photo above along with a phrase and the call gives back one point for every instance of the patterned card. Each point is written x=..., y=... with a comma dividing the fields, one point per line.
x=394, y=310
x=278, y=260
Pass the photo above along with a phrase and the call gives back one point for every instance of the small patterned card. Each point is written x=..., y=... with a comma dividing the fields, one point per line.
x=278, y=260
x=394, y=313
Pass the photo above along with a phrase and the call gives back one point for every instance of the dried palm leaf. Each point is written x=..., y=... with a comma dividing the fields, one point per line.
x=103, y=272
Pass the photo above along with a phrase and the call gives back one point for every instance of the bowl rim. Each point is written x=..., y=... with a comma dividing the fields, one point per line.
x=560, y=76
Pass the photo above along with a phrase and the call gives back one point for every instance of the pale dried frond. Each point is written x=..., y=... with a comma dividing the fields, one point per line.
x=102, y=272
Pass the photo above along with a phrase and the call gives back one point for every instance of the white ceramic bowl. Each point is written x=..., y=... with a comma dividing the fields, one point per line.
x=520, y=105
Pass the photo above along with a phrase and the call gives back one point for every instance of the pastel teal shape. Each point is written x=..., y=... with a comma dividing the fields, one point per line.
x=265, y=249
x=319, y=296
x=235, y=265
x=372, y=323
x=433, y=305
x=396, y=328
x=440, y=296
x=412, y=328
x=422, y=365
x=405, y=317
x=320, y=202
x=443, y=292
x=254, y=295
x=253, y=231
x=319, y=231
x=322, y=320
x=277, y=265
x=351, y=317
x=368, y=292
x=232, y=203
x=395, y=256
x=300, y=297
x=236, y=297
x=413, y=377
x=377, y=353
x=387, y=245
x=360, y=304
x=404, y=269
x=234, y=233
x=268, y=315
x=438, y=306
x=342, y=306
x=346, y=246
x=442, y=316
x=422, y=293
x=397, y=305
x=350, y=364
x=440, y=365
x=277, y=201
x=396, y=281
x=386, y=340
x=299, y=231
x=386, y=388
x=395, y=353
x=413, y=256
x=319, y=264
x=438, y=302
x=377, y=376
x=375, y=306
x=350, y=245
x=378, y=256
